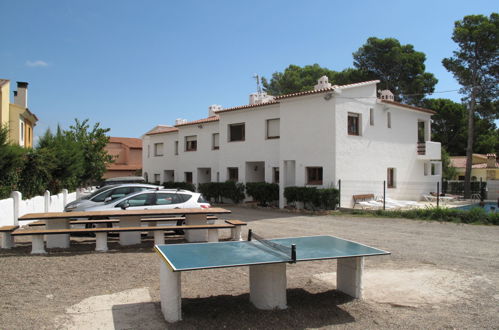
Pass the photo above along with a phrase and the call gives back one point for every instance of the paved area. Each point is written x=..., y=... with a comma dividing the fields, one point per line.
x=440, y=275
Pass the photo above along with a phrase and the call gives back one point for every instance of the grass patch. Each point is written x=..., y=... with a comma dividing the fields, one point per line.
x=473, y=216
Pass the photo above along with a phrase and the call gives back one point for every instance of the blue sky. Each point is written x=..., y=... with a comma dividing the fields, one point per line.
x=131, y=65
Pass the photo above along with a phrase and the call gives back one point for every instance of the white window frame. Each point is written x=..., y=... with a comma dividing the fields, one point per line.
x=277, y=129
x=158, y=149
x=215, y=141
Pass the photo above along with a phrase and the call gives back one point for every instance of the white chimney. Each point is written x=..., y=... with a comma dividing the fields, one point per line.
x=386, y=95
x=21, y=95
x=180, y=121
x=322, y=83
x=491, y=161
x=212, y=109
x=259, y=98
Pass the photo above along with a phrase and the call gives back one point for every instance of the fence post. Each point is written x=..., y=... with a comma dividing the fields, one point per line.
x=46, y=201
x=438, y=194
x=481, y=191
x=17, y=197
x=64, y=197
x=384, y=194
x=339, y=194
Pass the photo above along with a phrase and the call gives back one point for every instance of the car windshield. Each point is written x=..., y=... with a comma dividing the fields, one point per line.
x=98, y=191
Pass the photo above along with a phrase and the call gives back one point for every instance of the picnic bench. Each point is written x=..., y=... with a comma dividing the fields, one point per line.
x=362, y=198
x=37, y=242
x=7, y=242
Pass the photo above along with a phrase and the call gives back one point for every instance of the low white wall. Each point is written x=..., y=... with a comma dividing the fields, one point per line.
x=493, y=189
x=14, y=207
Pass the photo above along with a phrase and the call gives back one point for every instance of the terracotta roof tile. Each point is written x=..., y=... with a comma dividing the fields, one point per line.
x=160, y=129
x=323, y=90
x=130, y=142
x=409, y=106
x=200, y=121
x=460, y=162
x=123, y=167
x=248, y=106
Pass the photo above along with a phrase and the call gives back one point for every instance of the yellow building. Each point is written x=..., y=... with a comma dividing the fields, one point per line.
x=16, y=116
x=483, y=167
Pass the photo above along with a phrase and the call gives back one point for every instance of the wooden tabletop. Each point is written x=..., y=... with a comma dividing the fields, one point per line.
x=120, y=213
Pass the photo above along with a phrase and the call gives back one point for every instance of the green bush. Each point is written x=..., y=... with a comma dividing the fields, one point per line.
x=179, y=185
x=326, y=199
x=262, y=192
x=218, y=190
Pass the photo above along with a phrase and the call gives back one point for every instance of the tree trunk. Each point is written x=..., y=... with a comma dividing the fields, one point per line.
x=469, y=148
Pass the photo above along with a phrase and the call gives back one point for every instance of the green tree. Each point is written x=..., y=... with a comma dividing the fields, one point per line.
x=448, y=172
x=11, y=163
x=475, y=65
x=400, y=68
x=92, y=143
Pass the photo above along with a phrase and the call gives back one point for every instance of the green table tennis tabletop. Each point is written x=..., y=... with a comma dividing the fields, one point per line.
x=193, y=256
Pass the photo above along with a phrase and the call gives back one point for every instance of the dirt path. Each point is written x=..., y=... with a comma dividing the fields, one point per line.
x=439, y=275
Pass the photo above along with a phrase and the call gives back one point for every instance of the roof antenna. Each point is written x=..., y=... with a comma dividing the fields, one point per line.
x=258, y=86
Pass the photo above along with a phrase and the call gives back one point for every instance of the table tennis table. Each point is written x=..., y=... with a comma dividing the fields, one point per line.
x=267, y=266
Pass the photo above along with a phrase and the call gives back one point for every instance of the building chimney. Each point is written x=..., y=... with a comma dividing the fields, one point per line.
x=180, y=121
x=259, y=98
x=322, y=83
x=491, y=161
x=212, y=109
x=21, y=96
x=386, y=95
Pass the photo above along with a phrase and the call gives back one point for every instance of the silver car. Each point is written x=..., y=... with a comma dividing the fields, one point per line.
x=106, y=194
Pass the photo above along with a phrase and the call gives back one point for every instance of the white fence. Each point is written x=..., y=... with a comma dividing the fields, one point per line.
x=14, y=207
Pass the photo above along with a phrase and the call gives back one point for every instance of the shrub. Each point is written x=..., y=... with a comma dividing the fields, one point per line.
x=326, y=199
x=218, y=190
x=262, y=192
x=179, y=185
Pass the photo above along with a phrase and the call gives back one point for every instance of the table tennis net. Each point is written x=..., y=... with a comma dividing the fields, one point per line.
x=289, y=252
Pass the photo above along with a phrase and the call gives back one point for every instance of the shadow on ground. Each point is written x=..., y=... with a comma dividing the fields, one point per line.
x=305, y=310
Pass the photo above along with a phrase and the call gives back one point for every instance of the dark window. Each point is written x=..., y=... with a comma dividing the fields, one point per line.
x=191, y=143
x=233, y=173
x=215, y=141
x=371, y=116
x=236, y=132
x=176, y=147
x=139, y=200
x=314, y=175
x=275, y=174
x=390, y=180
x=188, y=177
x=353, y=124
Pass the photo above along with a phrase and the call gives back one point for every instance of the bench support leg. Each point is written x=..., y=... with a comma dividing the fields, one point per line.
x=349, y=276
x=58, y=240
x=196, y=235
x=236, y=233
x=212, y=235
x=159, y=237
x=268, y=286
x=151, y=224
x=101, y=242
x=170, y=293
x=37, y=245
x=129, y=238
x=7, y=241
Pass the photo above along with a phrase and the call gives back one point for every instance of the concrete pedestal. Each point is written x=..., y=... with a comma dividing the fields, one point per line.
x=37, y=245
x=59, y=240
x=197, y=235
x=212, y=235
x=349, y=276
x=129, y=238
x=159, y=237
x=7, y=241
x=236, y=233
x=268, y=286
x=170, y=293
x=101, y=242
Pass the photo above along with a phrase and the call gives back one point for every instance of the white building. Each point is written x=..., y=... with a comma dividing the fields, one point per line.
x=312, y=138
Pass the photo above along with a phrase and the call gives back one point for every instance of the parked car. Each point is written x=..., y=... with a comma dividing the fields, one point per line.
x=123, y=180
x=106, y=194
x=156, y=199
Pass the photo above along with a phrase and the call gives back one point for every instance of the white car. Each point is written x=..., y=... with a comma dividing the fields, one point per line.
x=106, y=194
x=156, y=199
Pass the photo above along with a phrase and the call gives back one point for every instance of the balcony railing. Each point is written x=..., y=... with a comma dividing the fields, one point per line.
x=421, y=148
x=428, y=150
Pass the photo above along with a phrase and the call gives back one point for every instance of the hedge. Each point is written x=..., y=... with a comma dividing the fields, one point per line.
x=179, y=185
x=262, y=192
x=327, y=199
x=218, y=190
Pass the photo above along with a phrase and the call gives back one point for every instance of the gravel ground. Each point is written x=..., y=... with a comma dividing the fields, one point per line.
x=439, y=275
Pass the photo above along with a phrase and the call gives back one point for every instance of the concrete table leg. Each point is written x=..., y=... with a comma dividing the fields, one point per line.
x=151, y=224
x=58, y=240
x=236, y=233
x=268, y=286
x=101, y=242
x=159, y=237
x=129, y=238
x=7, y=241
x=170, y=284
x=212, y=235
x=349, y=276
x=37, y=245
x=197, y=235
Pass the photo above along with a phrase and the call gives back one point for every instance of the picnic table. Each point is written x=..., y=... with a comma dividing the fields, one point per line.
x=127, y=218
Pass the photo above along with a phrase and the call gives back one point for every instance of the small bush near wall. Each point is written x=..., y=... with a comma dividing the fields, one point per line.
x=262, y=192
x=218, y=190
x=326, y=199
x=179, y=185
